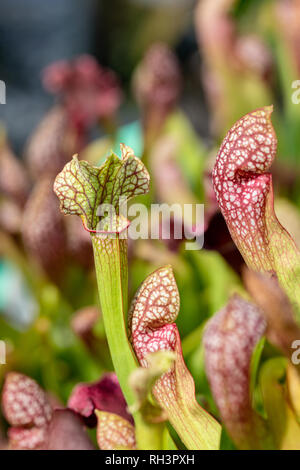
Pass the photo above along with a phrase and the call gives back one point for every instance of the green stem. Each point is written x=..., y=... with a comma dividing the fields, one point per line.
x=112, y=277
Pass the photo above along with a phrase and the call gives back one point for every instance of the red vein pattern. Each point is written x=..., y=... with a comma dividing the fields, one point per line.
x=51, y=143
x=153, y=311
x=229, y=340
x=104, y=395
x=114, y=432
x=27, y=409
x=82, y=188
x=243, y=188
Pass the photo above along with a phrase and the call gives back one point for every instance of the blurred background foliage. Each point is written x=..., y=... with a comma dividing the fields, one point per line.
x=225, y=58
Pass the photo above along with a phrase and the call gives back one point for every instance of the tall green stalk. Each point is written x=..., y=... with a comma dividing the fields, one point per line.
x=82, y=190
